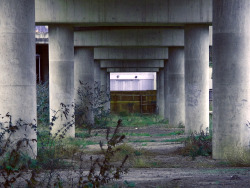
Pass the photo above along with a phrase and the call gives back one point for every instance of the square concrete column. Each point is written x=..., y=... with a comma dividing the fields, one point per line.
x=105, y=89
x=176, y=86
x=61, y=76
x=18, y=67
x=108, y=92
x=84, y=73
x=231, y=79
x=161, y=93
x=196, y=78
x=97, y=73
x=166, y=88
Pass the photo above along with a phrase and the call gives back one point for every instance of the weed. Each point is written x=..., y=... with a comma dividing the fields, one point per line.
x=107, y=171
x=90, y=108
x=197, y=144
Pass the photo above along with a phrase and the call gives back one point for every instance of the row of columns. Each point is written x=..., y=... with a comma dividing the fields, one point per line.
x=231, y=41
x=186, y=79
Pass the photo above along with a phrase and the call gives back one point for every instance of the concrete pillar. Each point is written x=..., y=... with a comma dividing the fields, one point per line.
x=61, y=75
x=108, y=92
x=176, y=86
x=157, y=92
x=161, y=93
x=18, y=68
x=97, y=73
x=104, y=89
x=84, y=73
x=166, y=100
x=231, y=79
x=196, y=78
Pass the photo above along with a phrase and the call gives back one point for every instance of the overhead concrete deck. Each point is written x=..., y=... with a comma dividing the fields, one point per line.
x=132, y=69
x=114, y=12
x=132, y=63
x=131, y=53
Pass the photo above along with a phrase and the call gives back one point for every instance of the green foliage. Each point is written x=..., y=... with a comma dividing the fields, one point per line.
x=137, y=120
x=90, y=109
x=198, y=144
x=43, y=104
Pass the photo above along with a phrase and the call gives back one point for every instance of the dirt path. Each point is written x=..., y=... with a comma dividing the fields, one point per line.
x=174, y=170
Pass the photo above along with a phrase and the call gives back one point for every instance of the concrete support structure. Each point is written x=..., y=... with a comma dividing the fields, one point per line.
x=113, y=12
x=132, y=69
x=130, y=37
x=196, y=77
x=132, y=63
x=18, y=68
x=84, y=73
x=176, y=86
x=108, y=92
x=97, y=73
x=105, y=88
x=166, y=100
x=231, y=85
x=136, y=53
x=61, y=76
x=161, y=103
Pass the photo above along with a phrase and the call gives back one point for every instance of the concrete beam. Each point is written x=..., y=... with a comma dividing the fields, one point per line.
x=130, y=12
x=132, y=64
x=130, y=53
x=130, y=37
x=126, y=37
x=132, y=69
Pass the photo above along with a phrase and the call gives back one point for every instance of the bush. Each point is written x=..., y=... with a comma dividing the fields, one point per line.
x=197, y=144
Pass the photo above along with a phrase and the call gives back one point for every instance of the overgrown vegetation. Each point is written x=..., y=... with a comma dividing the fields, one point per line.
x=90, y=111
x=197, y=144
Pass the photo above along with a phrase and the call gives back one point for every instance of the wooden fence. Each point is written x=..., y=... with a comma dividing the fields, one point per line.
x=133, y=101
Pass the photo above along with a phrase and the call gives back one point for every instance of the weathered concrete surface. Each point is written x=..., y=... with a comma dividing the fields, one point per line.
x=108, y=91
x=132, y=69
x=105, y=89
x=97, y=73
x=132, y=63
x=113, y=12
x=161, y=93
x=166, y=96
x=231, y=94
x=84, y=72
x=176, y=86
x=130, y=37
x=126, y=36
x=18, y=68
x=61, y=76
x=196, y=78
x=139, y=53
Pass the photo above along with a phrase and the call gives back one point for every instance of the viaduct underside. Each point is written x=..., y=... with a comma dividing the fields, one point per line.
x=90, y=38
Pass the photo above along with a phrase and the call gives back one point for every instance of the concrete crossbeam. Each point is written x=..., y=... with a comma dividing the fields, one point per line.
x=130, y=37
x=132, y=63
x=113, y=12
x=126, y=37
x=132, y=69
x=130, y=53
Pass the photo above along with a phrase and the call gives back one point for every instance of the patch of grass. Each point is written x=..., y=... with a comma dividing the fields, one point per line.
x=143, y=141
x=179, y=132
x=175, y=140
x=139, y=120
x=137, y=134
x=141, y=163
x=239, y=158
